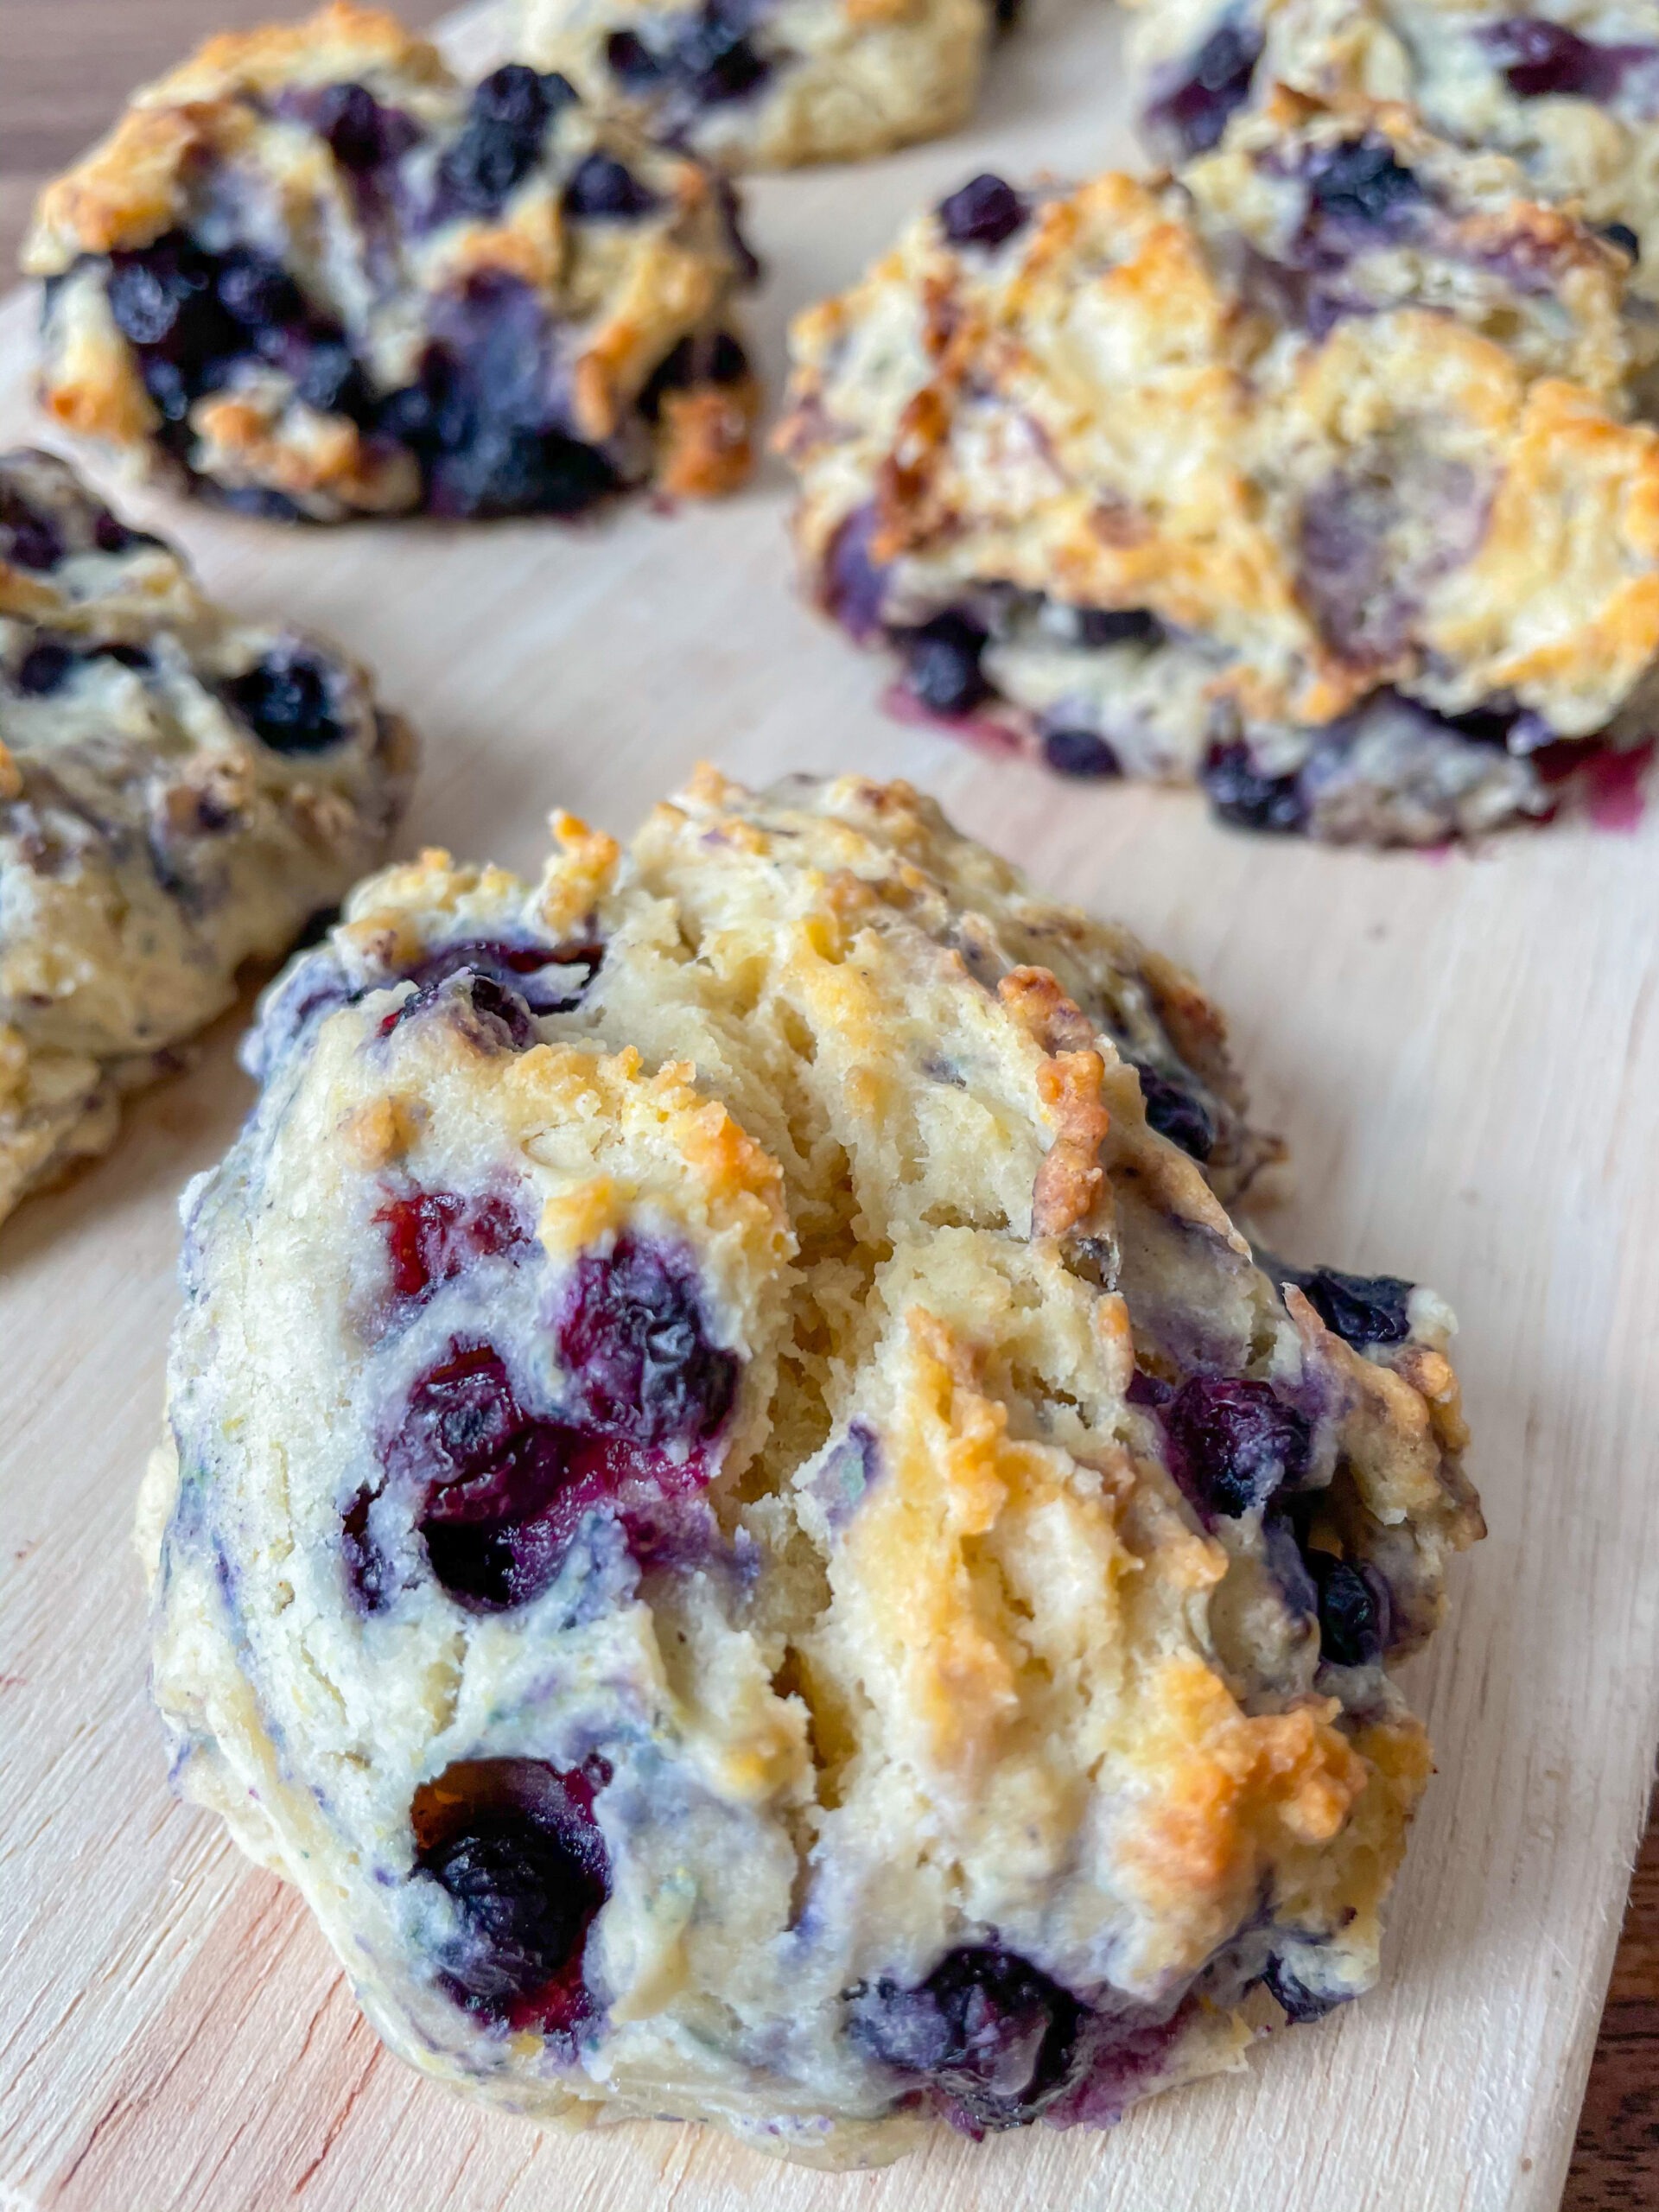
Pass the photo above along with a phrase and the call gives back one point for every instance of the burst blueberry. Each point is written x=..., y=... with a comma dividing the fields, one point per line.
x=1238, y=1442
x=991, y=2033
x=635, y=1343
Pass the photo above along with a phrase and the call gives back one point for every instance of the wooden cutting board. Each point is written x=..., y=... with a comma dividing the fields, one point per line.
x=1464, y=1052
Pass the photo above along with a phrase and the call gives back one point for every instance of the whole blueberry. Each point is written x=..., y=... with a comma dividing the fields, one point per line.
x=1622, y=236
x=1240, y=792
x=502, y=139
x=30, y=540
x=1177, y=1112
x=602, y=189
x=1116, y=625
x=1353, y=1613
x=942, y=660
x=257, y=291
x=631, y=62
x=1360, y=181
x=1361, y=1309
x=991, y=2031
x=984, y=212
x=286, y=699
x=1080, y=753
x=44, y=667
x=361, y=134
x=524, y=1900
x=1239, y=1442
x=1191, y=115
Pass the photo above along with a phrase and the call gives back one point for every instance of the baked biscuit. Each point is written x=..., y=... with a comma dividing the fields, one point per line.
x=1303, y=475
x=322, y=277
x=749, y=1532
x=1570, y=89
x=179, y=793
x=772, y=84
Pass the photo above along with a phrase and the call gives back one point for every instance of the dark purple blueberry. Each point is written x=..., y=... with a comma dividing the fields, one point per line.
x=44, y=667
x=527, y=1880
x=328, y=379
x=361, y=134
x=31, y=540
x=1353, y=1613
x=1191, y=116
x=602, y=189
x=942, y=664
x=855, y=586
x=432, y=1237
x=112, y=537
x=257, y=291
x=286, y=699
x=988, y=2031
x=1360, y=181
x=635, y=1347
x=133, y=656
x=1177, y=1112
x=496, y=1002
x=165, y=301
x=703, y=358
x=1300, y=2002
x=492, y=1479
x=631, y=62
x=1239, y=1442
x=1539, y=58
x=1622, y=236
x=502, y=140
x=1361, y=1309
x=714, y=57
x=463, y=1424
x=1147, y=1390
x=1240, y=793
x=984, y=212
x=147, y=293
x=1112, y=625
x=477, y=420
x=707, y=56
x=1081, y=753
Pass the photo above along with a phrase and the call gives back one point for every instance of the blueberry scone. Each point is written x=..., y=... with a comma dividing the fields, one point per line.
x=1303, y=475
x=772, y=84
x=1570, y=89
x=179, y=793
x=742, y=1521
x=322, y=278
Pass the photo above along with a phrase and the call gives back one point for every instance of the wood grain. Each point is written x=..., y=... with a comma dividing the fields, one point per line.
x=1466, y=1057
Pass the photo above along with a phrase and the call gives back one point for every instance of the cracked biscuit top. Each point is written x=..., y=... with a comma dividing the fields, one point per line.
x=770, y=84
x=1305, y=473
x=1570, y=89
x=742, y=1520
x=323, y=278
x=179, y=793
